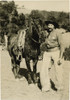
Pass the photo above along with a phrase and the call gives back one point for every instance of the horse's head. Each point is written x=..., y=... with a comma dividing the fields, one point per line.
x=36, y=23
x=36, y=32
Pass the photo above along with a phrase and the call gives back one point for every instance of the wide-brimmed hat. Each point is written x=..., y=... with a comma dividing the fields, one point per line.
x=51, y=22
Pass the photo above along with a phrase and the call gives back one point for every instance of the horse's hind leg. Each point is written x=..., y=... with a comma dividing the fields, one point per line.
x=29, y=70
x=34, y=71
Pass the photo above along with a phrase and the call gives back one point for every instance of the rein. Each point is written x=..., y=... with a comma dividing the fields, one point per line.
x=34, y=40
x=37, y=32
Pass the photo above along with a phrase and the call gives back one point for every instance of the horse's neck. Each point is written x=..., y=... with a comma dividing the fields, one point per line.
x=30, y=27
x=11, y=35
x=12, y=39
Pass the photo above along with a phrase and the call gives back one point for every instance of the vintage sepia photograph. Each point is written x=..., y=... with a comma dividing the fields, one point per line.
x=34, y=50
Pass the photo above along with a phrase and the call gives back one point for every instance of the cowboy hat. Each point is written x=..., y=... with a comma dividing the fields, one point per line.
x=51, y=22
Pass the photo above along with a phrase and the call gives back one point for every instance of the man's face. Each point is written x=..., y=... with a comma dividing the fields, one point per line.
x=50, y=27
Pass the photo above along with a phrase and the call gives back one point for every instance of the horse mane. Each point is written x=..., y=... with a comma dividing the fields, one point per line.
x=21, y=38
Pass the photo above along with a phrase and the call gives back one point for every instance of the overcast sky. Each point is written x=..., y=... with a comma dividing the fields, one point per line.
x=51, y=5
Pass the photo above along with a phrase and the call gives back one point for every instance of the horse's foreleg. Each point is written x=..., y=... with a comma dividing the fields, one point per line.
x=34, y=71
x=29, y=70
x=15, y=69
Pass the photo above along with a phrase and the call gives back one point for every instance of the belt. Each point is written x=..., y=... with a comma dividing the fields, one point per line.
x=52, y=49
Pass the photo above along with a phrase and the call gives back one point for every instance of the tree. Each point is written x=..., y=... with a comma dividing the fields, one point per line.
x=21, y=20
x=63, y=20
x=6, y=8
x=8, y=11
x=9, y=6
x=35, y=14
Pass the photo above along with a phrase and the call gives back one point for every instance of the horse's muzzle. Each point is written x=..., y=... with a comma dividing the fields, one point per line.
x=19, y=57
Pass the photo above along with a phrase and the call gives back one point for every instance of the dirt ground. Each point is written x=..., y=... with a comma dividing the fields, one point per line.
x=20, y=90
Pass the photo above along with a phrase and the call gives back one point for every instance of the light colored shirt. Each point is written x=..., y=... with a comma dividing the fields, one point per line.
x=53, y=39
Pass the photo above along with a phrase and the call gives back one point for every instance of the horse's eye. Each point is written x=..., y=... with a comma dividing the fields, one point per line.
x=15, y=50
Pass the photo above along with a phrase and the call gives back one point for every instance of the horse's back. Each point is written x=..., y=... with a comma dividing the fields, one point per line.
x=65, y=40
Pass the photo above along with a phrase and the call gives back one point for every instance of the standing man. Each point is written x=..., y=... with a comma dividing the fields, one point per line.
x=51, y=53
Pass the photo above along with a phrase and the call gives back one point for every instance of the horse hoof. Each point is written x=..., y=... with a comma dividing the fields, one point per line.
x=19, y=76
x=35, y=79
x=30, y=81
x=17, y=79
x=36, y=84
x=31, y=85
x=22, y=79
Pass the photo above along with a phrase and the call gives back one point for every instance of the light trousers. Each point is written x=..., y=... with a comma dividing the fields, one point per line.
x=44, y=73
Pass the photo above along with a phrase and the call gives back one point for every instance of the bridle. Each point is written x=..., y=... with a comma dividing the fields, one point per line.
x=34, y=40
x=37, y=32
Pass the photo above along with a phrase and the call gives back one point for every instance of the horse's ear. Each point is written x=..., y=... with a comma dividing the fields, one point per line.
x=18, y=32
x=26, y=28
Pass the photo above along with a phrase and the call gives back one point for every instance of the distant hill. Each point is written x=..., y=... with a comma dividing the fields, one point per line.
x=23, y=10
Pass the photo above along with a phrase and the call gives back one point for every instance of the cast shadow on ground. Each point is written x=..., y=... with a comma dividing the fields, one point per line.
x=24, y=73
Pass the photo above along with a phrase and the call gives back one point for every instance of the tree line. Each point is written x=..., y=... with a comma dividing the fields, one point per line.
x=11, y=20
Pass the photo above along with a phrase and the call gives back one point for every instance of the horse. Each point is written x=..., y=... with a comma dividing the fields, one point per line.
x=25, y=45
x=15, y=52
x=31, y=50
x=65, y=45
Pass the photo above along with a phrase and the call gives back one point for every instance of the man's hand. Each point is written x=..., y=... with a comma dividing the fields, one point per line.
x=60, y=61
x=43, y=47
